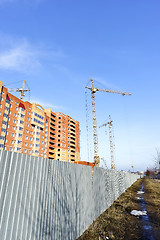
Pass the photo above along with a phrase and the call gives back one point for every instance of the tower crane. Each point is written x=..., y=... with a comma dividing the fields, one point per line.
x=111, y=141
x=95, y=137
x=21, y=90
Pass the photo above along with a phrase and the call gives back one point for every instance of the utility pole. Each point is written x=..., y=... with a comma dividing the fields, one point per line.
x=95, y=136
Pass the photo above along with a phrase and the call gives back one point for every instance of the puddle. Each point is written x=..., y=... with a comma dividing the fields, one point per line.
x=147, y=228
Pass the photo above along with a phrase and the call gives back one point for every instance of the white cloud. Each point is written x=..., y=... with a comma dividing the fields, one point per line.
x=21, y=55
x=47, y=105
x=20, y=58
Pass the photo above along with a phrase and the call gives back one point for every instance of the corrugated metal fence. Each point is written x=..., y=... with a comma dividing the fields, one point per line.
x=46, y=199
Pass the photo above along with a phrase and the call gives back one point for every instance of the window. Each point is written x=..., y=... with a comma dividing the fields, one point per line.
x=10, y=149
x=26, y=137
x=29, y=113
x=4, y=122
x=16, y=108
x=58, y=145
x=27, y=124
x=29, y=151
x=58, y=140
x=14, y=121
x=37, y=115
x=42, y=142
x=28, y=118
x=12, y=134
x=41, y=148
x=31, y=132
x=20, y=128
x=16, y=103
x=29, y=108
x=15, y=114
x=58, y=150
x=25, y=144
x=25, y=150
x=27, y=131
x=30, y=145
x=30, y=138
x=13, y=128
x=58, y=155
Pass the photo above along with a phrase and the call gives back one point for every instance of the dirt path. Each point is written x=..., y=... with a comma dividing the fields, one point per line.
x=117, y=222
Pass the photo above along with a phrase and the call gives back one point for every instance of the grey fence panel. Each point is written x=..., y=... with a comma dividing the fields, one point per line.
x=45, y=199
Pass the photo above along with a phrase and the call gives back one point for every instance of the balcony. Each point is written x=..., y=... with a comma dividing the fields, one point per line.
x=72, y=122
x=52, y=133
x=73, y=134
x=72, y=126
x=52, y=138
x=53, y=124
x=72, y=146
x=51, y=147
x=73, y=130
x=51, y=151
x=52, y=119
x=72, y=143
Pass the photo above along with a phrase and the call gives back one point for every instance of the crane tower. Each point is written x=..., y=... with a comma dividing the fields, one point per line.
x=111, y=141
x=95, y=136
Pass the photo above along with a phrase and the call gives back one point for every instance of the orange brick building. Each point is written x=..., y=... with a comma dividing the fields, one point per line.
x=29, y=128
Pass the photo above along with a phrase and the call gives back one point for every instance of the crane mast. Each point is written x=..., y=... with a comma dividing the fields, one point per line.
x=111, y=141
x=95, y=136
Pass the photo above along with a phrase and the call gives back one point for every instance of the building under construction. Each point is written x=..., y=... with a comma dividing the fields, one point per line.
x=29, y=128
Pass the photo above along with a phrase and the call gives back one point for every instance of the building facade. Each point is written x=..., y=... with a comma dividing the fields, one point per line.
x=29, y=128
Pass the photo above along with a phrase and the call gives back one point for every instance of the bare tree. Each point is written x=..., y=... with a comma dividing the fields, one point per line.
x=157, y=160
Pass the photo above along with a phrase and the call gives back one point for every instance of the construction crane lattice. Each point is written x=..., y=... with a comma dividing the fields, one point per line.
x=21, y=90
x=95, y=136
x=112, y=146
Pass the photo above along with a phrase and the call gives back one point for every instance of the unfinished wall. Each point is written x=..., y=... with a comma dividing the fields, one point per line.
x=46, y=199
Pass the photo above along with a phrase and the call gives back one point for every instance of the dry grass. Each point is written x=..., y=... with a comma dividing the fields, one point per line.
x=116, y=222
x=152, y=198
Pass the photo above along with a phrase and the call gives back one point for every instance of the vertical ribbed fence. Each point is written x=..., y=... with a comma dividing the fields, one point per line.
x=46, y=199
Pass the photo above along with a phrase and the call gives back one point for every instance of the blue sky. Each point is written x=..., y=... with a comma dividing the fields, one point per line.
x=57, y=46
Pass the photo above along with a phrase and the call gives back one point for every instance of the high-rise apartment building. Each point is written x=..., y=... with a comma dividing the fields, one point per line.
x=29, y=128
